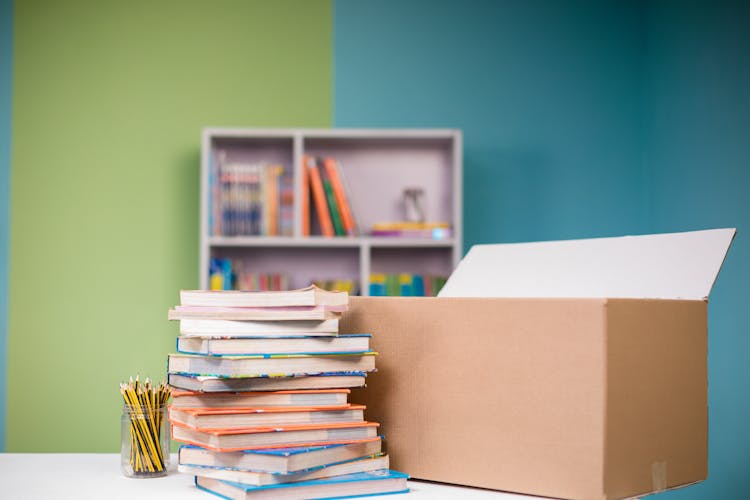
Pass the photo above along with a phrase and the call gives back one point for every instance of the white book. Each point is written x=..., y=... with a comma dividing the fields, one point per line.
x=239, y=328
x=310, y=296
x=214, y=384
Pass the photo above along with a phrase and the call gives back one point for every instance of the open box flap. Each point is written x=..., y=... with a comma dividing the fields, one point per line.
x=659, y=266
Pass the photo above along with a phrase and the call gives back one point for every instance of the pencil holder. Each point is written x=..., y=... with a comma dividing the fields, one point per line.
x=144, y=450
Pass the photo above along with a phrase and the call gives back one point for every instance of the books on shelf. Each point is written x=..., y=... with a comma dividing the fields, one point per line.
x=309, y=296
x=249, y=199
x=273, y=345
x=405, y=285
x=335, y=177
x=279, y=460
x=328, y=398
x=318, y=196
x=327, y=190
x=377, y=482
x=271, y=364
x=277, y=436
x=207, y=419
x=226, y=274
x=216, y=384
x=340, y=285
x=257, y=478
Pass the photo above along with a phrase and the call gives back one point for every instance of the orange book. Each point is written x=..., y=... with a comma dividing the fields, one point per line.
x=319, y=197
x=281, y=436
x=271, y=215
x=305, y=199
x=208, y=419
x=347, y=218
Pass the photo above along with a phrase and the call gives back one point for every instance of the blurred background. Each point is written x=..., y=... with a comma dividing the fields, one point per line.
x=581, y=118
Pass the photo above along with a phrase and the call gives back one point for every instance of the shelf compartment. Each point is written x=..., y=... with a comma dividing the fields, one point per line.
x=248, y=165
x=301, y=265
x=376, y=171
x=436, y=261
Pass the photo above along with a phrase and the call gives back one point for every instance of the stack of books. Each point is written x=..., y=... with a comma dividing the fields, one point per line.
x=261, y=384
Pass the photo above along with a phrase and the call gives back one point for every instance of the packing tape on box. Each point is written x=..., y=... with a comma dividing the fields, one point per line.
x=658, y=476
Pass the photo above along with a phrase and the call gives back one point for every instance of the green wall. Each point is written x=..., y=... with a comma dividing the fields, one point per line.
x=109, y=99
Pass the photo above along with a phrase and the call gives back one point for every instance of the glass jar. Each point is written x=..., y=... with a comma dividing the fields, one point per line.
x=144, y=448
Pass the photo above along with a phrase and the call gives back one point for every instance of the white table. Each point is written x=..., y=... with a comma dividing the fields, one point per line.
x=97, y=476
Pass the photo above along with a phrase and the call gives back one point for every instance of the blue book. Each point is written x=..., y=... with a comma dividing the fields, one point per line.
x=287, y=344
x=418, y=285
x=361, y=484
x=271, y=365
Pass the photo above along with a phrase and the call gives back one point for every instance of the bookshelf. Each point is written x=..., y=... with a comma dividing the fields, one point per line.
x=376, y=165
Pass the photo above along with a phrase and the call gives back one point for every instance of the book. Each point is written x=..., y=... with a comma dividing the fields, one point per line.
x=271, y=364
x=269, y=399
x=279, y=460
x=305, y=198
x=318, y=196
x=275, y=436
x=332, y=169
x=309, y=296
x=272, y=195
x=250, y=329
x=289, y=313
x=212, y=384
x=207, y=419
x=273, y=345
x=377, y=482
x=377, y=285
x=286, y=204
x=338, y=226
x=254, y=478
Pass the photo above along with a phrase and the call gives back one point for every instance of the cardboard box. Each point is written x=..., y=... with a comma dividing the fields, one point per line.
x=593, y=397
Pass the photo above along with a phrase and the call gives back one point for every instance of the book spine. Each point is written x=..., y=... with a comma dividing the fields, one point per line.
x=316, y=187
x=338, y=228
x=305, y=198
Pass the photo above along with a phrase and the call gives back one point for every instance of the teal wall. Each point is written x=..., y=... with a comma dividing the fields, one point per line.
x=6, y=77
x=697, y=125
x=547, y=94
x=582, y=118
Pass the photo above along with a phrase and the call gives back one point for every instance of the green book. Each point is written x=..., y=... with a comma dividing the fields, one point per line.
x=338, y=227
